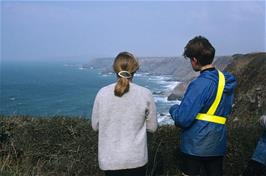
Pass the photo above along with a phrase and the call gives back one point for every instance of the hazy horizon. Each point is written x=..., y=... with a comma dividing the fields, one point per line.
x=78, y=31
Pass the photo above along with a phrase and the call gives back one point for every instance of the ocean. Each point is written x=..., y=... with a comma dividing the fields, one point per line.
x=42, y=89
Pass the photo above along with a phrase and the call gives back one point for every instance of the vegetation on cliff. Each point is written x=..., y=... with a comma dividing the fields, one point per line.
x=68, y=146
x=250, y=94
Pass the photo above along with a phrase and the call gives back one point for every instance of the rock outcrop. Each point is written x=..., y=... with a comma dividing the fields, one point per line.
x=250, y=93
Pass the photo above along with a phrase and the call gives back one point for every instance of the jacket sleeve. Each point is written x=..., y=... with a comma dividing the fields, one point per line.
x=95, y=114
x=151, y=116
x=173, y=110
x=193, y=101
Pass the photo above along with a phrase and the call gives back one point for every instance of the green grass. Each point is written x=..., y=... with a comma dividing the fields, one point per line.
x=68, y=146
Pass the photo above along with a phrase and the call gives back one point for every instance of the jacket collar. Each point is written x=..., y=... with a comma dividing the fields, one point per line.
x=208, y=69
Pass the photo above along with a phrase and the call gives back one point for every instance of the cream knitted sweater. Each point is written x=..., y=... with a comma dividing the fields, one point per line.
x=123, y=123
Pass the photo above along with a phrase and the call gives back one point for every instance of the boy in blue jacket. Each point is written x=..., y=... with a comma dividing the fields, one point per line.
x=203, y=112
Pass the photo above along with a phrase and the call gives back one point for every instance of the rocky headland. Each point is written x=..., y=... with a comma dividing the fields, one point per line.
x=250, y=93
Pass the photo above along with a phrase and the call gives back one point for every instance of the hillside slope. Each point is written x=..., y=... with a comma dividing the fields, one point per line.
x=250, y=94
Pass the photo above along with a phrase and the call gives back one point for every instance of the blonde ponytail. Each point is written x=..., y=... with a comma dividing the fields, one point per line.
x=125, y=65
x=121, y=87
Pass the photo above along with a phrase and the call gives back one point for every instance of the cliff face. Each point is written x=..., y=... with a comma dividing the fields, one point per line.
x=250, y=93
x=178, y=67
x=105, y=64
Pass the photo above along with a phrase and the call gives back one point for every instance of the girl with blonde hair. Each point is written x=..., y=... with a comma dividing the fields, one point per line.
x=122, y=114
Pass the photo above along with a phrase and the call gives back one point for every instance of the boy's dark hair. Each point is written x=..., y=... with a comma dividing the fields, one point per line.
x=200, y=48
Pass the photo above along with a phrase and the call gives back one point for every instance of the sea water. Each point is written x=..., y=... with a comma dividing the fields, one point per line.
x=62, y=89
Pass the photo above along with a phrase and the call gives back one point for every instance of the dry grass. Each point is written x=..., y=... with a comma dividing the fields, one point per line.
x=68, y=146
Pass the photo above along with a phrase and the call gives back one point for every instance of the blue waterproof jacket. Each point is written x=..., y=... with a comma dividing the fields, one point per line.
x=202, y=138
x=260, y=152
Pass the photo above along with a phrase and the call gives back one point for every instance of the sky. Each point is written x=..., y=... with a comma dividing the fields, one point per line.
x=45, y=30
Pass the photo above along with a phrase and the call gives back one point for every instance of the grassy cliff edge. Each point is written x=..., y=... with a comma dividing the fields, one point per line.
x=68, y=146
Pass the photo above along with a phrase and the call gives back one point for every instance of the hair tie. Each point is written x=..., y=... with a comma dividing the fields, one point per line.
x=124, y=74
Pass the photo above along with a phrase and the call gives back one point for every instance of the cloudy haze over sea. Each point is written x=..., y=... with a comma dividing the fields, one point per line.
x=79, y=30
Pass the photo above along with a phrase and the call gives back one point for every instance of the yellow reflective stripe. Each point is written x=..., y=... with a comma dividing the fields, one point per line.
x=220, y=88
x=211, y=118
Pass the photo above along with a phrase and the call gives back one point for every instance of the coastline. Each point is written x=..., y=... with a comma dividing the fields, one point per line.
x=167, y=83
x=69, y=90
x=162, y=86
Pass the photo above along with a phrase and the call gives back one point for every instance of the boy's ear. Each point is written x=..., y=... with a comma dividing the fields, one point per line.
x=194, y=59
